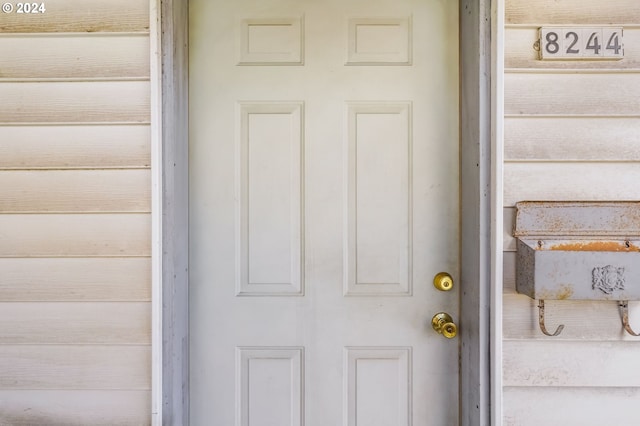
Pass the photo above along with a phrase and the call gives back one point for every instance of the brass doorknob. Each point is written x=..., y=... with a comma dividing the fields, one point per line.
x=443, y=324
x=443, y=281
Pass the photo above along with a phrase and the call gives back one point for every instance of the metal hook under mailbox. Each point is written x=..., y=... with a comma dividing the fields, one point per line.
x=541, y=321
x=624, y=313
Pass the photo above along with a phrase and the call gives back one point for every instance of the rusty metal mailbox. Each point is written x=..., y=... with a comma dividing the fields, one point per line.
x=578, y=251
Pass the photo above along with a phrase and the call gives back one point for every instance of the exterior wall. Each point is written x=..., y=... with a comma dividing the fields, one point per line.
x=75, y=311
x=572, y=132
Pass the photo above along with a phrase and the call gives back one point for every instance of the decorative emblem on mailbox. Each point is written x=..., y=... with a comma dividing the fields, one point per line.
x=608, y=279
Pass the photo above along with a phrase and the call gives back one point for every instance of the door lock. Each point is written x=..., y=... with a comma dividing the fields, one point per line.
x=443, y=324
x=443, y=281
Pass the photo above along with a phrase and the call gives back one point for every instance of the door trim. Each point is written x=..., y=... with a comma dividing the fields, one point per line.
x=173, y=409
x=477, y=198
x=497, y=204
x=480, y=221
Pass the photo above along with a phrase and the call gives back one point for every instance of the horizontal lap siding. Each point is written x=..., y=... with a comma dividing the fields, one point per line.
x=571, y=363
x=75, y=323
x=566, y=406
x=75, y=56
x=75, y=191
x=75, y=146
x=82, y=16
x=583, y=320
x=565, y=139
x=592, y=181
x=75, y=367
x=75, y=223
x=75, y=279
x=62, y=102
x=75, y=235
x=572, y=12
x=572, y=132
x=574, y=94
x=73, y=407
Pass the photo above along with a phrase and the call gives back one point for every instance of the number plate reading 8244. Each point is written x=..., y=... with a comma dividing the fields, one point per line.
x=566, y=43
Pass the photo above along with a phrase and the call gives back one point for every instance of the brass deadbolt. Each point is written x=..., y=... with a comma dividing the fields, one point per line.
x=443, y=324
x=443, y=281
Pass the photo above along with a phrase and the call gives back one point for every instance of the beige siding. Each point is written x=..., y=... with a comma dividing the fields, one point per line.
x=75, y=146
x=75, y=224
x=75, y=323
x=75, y=279
x=75, y=235
x=572, y=132
x=75, y=56
x=74, y=367
x=75, y=191
x=82, y=16
x=73, y=408
x=74, y=102
x=572, y=12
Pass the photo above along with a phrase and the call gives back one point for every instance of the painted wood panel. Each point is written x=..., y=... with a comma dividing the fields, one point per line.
x=271, y=41
x=81, y=16
x=75, y=367
x=81, y=235
x=75, y=279
x=75, y=191
x=379, y=41
x=378, y=387
x=574, y=94
x=75, y=323
x=378, y=216
x=75, y=408
x=271, y=190
x=570, y=181
x=82, y=102
x=521, y=54
x=572, y=139
x=583, y=320
x=44, y=56
x=574, y=12
x=270, y=386
x=557, y=363
x=571, y=406
x=61, y=147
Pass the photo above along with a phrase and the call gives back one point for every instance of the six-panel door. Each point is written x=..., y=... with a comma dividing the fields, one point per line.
x=324, y=199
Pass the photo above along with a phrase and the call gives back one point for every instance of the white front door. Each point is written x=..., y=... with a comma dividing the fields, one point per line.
x=324, y=199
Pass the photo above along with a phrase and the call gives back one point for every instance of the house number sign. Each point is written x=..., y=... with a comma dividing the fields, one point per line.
x=585, y=43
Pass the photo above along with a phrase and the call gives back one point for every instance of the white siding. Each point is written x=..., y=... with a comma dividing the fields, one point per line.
x=571, y=406
x=75, y=226
x=572, y=132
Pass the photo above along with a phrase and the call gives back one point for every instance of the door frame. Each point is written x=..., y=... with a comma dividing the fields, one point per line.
x=481, y=73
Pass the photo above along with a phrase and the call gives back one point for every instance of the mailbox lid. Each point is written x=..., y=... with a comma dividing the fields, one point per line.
x=577, y=219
